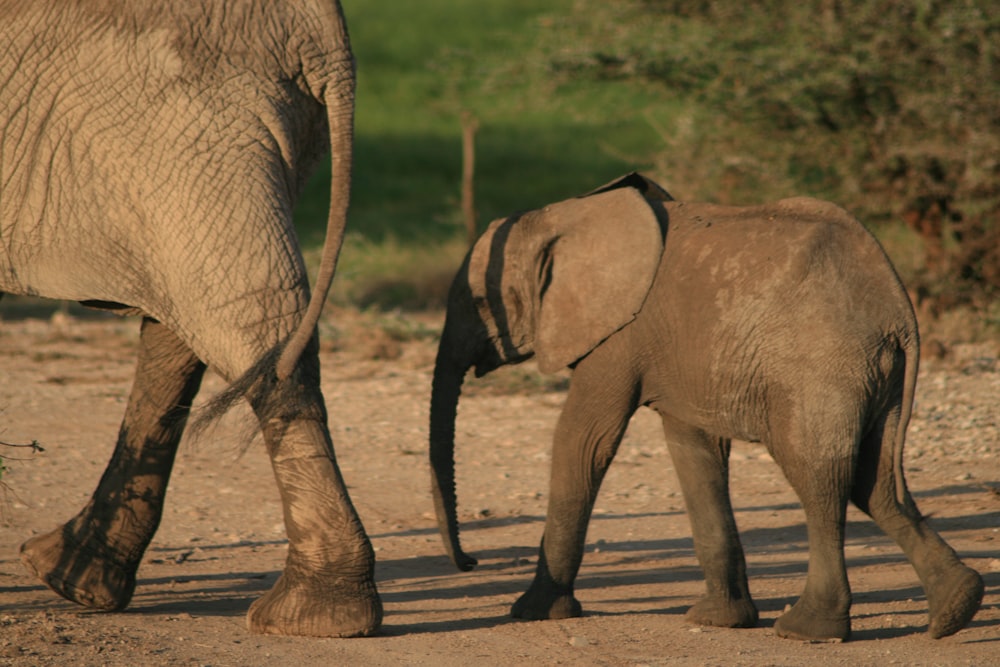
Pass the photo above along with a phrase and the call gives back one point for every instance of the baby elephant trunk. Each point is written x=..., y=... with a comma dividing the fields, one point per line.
x=449, y=372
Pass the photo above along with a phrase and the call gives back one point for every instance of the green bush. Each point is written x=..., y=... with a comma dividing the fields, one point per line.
x=888, y=108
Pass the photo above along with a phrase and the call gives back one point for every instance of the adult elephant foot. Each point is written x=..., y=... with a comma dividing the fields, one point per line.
x=92, y=559
x=539, y=604
x=806, y=623
x=328, y=586
x=953, y=600
x=723, y=612
x=78, y=572
x=313, y=608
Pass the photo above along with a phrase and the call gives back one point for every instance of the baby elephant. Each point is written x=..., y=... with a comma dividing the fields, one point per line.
x=783, y=324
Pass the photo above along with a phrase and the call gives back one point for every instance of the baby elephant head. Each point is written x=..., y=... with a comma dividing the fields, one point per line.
x=551, y=283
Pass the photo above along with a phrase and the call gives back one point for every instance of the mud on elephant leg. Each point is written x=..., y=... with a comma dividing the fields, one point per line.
x=702, y=463
x=327, y=588
x=93, y=558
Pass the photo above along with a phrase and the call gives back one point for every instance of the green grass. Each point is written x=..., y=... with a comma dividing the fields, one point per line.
x=541, y=138
x=420, y=65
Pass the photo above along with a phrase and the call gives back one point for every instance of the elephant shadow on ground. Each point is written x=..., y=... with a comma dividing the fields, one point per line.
x=772, y=553
x=779, y=552
x=223, y=594
x=187, y=590
x=910, y=622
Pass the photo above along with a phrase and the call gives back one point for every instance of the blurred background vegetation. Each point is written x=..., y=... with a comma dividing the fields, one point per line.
x=890, y=108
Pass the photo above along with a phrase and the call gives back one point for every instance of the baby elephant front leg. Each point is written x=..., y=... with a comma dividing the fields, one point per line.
x=587, y=436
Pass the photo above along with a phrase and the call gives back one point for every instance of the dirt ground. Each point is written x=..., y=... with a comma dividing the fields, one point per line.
x=221, y=542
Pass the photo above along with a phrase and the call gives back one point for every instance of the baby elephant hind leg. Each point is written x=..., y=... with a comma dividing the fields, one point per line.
x=93, y=558
x=954, y=591
x=702, y=463
x=819, y=466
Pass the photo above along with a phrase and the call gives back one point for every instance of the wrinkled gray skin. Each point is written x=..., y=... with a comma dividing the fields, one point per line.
x=782, y=324
x=150, y=158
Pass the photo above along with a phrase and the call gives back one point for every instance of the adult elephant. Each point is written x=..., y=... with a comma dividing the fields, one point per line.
x=783, y=324
x=150, y=158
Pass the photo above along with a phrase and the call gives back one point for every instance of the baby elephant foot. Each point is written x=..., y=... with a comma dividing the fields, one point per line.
x=77, y=573
x=723, y=612
x=953, y=601
x=802, y=622
x=306, y=606
x=543, y=603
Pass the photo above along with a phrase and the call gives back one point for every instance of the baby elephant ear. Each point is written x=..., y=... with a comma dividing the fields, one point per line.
x=602, y=259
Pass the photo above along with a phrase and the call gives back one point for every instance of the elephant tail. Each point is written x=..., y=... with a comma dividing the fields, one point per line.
x=911, y=353
x=339, y=101
x=205, y=415
x=279, y=363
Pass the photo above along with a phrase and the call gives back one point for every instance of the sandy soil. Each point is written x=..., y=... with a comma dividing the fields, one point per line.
x=221, y=543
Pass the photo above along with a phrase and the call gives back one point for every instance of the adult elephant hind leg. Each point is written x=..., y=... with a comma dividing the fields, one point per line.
x=954, y=590
x=93, y=558
x=327, y=588
x=702, y=463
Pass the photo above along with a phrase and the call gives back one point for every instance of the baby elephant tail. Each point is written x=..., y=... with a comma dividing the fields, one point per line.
x=911, y=352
